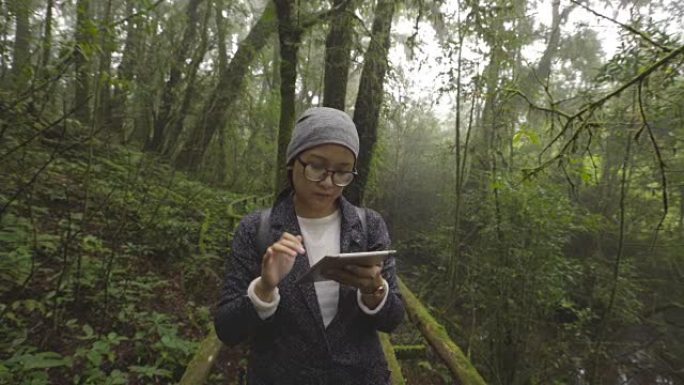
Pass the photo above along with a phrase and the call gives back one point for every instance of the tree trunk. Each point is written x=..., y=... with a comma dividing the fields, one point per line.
x=143, y=107
x=81, y=61
x=178, y=119
x=337, y=56
x=289, y=34
x=162, y=120
x=221, y=36
x=370, y=96
x=226, y=92
x=458, y=180
x=221, y=171
x=125, y=72
x=47, y=37
x=103, y=102
x=22, y=35
x=537, y=76
x=681, y=212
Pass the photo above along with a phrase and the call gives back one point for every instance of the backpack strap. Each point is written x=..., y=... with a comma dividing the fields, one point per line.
x=262, y=232
x=362, y=216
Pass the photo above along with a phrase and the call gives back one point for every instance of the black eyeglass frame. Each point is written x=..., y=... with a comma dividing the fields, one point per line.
x=353, y=172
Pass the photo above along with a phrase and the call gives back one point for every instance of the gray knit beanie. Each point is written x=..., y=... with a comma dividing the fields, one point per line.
x=322, y=125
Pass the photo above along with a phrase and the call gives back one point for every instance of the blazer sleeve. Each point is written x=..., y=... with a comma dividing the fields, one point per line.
x=236, y=318
x=392, y=313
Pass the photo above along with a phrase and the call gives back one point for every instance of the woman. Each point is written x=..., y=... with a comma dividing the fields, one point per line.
x=304, y=332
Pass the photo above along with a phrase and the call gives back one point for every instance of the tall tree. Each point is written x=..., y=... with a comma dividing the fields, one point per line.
x=47, y=36
x=370, y=95
x=222, y=66
x=289, y=34
x=337, y=55
x=107, y=46
x=126, y=70
x=177, y=120
x=84, y=39
x=22, y=35
x=227, y=90
x=171, y=87
x=147, y=57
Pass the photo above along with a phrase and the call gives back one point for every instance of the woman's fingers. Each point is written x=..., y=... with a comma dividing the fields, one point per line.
x=279, y=258
x=361, y=277
x=278, y=247
x=363, y=271
x=343, y=277
x=292, y=245
x=294, y=242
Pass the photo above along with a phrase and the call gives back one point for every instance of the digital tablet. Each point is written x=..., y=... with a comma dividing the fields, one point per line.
x=339, y=260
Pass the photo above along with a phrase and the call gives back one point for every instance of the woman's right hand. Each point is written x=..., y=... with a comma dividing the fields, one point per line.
x=277, y=263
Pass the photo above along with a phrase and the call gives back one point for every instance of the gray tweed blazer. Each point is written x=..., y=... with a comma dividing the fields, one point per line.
x=293, y=346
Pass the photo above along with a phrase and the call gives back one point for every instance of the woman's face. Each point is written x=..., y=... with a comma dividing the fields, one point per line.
x=318, y=199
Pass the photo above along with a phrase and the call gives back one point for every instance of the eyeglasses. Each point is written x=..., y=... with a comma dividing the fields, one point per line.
x=315, y=173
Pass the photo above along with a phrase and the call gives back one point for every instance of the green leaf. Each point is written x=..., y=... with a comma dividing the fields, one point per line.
x=94, y=357
x=150, y=371
x=45, y=360
x=89, y=332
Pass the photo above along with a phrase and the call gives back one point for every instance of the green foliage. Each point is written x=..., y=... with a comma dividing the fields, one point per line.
x=15, y=251
x=102, y=261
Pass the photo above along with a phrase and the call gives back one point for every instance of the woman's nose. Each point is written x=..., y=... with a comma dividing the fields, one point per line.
x=327, y=181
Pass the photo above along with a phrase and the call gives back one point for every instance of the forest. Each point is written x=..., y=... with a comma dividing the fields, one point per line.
x=527, y=155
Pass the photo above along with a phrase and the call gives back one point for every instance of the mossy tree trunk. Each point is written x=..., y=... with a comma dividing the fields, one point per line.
x=171, y=88
x=370, y=95
x=84, y=41
x=337, y=56
x=22, y=36
x=226, y=92
x=289, y=33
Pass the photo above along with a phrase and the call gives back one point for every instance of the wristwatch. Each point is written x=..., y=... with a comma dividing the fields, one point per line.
x=380, y=290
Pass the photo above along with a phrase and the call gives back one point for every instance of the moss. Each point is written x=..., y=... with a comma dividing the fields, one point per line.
x=198, y=369
x=392, y=362
x=459, y=365
x=409, y=351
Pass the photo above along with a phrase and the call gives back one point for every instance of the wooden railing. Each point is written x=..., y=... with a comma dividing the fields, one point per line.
x=460, y=367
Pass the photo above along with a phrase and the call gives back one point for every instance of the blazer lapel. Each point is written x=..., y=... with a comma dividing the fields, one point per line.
x=352, y=240
x=351, y=237
x=284, y=219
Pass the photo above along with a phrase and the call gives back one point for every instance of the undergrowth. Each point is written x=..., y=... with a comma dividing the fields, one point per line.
x=109, y=264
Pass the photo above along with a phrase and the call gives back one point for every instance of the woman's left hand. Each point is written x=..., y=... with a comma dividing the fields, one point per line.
x=366, y=278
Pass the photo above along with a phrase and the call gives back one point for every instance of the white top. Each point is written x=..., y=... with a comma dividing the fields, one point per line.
x=321, y=237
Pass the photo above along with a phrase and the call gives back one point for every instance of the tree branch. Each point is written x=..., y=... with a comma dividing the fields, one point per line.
x=661, y=165
x=596, y=104
x=536, y=107
x=625, y=26
x=136, y=14
x=323, y=15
